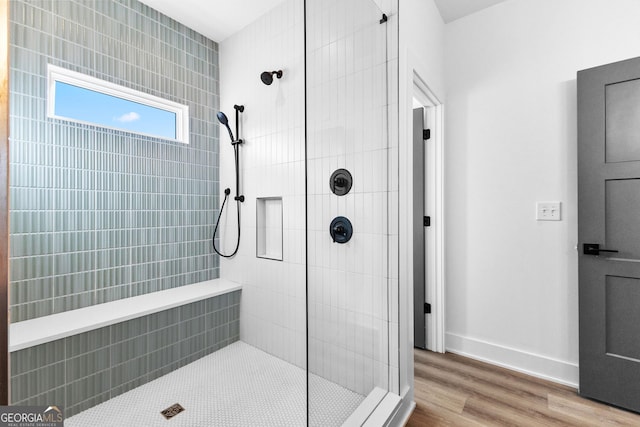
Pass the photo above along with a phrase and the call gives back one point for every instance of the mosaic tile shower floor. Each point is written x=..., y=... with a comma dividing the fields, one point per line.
x=237, y=386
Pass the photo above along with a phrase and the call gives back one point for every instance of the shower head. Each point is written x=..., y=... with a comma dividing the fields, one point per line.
x=267, y=76
x=222, y=118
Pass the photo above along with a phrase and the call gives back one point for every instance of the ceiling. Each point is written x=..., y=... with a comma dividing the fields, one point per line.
x=218, y=19
x=450, y=10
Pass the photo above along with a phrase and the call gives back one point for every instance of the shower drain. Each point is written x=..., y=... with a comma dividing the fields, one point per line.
x=172, y=411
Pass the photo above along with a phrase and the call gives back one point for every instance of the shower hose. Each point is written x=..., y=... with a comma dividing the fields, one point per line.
x=227, y=191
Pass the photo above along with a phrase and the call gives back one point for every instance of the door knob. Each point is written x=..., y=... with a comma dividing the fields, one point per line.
x=594, y=249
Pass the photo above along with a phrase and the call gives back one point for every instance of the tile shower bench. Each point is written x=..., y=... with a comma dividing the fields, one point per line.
x=83, y=357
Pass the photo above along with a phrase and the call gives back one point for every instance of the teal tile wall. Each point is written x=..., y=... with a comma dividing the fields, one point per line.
x=84, y=370
x=96, y=214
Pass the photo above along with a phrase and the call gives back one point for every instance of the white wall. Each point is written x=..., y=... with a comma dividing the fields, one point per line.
x=272, y=310
x=512, y=286
x=421, y=38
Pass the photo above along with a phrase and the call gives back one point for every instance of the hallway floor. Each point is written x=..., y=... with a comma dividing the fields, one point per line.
x=452, y=390
x=238, y=385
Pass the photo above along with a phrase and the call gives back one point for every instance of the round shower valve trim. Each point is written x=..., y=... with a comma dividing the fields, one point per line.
x=341, y=229
x=340, y=182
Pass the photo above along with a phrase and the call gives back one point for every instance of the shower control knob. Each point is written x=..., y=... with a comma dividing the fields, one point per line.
x=341, y=182
x=341, y=229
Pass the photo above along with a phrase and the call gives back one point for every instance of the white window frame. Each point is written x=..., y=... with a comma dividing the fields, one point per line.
x=58, y=74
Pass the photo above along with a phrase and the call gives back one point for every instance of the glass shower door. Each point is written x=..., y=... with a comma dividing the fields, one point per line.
x=348, y=273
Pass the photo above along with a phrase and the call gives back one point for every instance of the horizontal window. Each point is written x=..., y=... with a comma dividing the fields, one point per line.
x=80, y=98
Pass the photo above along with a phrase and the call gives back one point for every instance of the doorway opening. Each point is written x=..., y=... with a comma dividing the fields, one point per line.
x=428, y=218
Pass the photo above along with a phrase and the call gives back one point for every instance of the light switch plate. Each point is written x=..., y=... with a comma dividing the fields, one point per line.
x=548, y=211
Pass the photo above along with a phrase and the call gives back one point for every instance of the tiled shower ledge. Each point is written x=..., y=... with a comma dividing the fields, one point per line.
x=29, y=333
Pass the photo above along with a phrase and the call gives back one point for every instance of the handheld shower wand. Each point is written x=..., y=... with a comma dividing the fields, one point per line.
x=222, y=118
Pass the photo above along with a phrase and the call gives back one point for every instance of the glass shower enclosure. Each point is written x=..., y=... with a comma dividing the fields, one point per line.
x=347, y=128
x=106, y=221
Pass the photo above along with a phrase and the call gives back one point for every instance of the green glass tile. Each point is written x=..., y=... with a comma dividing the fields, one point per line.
x=130, y=329
x=113, y=293
x=87, y=388
x=37, y=382
x=86, y=404
x=84, y=189
x=130, y=349
x=51, y=397
x=129, y=386
x=37, y=357
x=190, y=327
x=165, y=337
x=88, y=342
x=87, y=364
x=128, y=371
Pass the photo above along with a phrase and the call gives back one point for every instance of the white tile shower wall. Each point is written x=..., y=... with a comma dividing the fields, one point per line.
x=272, y=165
x=350, y=285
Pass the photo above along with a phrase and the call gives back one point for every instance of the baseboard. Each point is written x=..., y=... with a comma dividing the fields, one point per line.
x=528, y=363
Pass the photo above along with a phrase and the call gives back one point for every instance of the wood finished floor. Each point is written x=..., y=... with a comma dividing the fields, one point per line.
x=452, y=390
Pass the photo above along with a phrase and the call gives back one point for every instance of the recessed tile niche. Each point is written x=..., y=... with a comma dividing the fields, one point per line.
x=269, y=228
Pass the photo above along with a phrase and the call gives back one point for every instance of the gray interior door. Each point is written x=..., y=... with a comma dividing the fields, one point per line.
x=419, y=317
x=609, y=216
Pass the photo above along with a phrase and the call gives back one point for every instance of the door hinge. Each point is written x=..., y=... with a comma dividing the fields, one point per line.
x=427, y=221
x=427, y=308
x=426, y=134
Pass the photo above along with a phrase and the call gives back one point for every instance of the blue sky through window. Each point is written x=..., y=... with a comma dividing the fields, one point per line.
x=86, y=105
